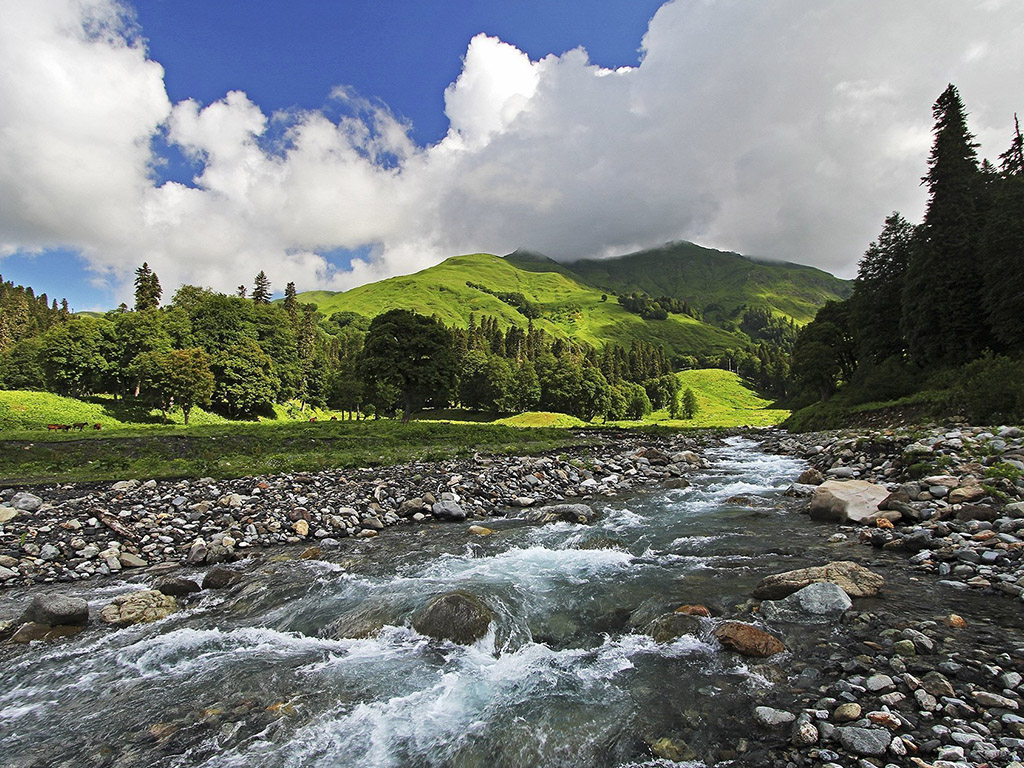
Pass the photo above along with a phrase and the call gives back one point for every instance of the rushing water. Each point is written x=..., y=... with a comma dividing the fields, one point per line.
x=564, y=678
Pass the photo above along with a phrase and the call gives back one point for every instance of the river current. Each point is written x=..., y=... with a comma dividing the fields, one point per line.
x=565, y=677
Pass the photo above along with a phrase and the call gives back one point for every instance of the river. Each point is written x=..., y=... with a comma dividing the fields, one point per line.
x=564, y=678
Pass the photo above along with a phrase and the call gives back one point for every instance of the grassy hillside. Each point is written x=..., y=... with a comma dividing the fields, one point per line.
x=715, y=282
x=33, y=411
x=568, y=307
x=725, y=401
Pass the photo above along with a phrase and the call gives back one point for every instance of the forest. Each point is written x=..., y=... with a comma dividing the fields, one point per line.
x=936, y=306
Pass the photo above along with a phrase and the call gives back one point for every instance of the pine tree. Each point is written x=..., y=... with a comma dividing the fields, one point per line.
x=261, y=289
x=240, y=291
x=147, y=288
x=943, y=287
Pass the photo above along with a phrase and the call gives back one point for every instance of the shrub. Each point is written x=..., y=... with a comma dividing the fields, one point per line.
x=990, y=390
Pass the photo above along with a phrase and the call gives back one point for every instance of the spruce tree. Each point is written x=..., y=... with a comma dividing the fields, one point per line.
x=261, y=289
x=291, y=303
x=1002, y=246
x=878, y=289
x=147, y=288
x=943, y=288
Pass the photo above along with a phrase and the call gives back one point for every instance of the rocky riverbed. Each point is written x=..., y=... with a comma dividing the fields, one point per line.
x=912, y=655
x=72, y=532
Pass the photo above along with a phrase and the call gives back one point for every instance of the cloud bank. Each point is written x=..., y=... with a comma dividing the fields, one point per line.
x=786, y=129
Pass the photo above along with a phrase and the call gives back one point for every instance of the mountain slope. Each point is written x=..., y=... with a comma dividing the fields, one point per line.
x=717, y=283
x=575, y=300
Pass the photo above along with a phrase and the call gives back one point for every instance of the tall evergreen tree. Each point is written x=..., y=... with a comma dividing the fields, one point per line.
x=943, y=287
x=261, y=289
x=1002, y=249
x=291, y=303
x=878, y=291
x=147, y=288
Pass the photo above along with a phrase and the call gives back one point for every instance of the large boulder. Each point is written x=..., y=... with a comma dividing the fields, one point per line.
x=139, y=607
x=457, y=616
x=448, y=510
x=841, y=501
x=748, y=640
x=54, y=610
x=822, y=603
x=855, y=580
x=571, y=513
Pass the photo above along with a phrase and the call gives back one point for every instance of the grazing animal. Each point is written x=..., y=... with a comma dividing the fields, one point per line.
x=334, y=418
x=79, y=425
x=97, y=426
x=54, y=427
x=312, y=419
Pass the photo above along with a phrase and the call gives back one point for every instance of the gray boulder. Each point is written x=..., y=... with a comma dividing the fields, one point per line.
x=856, y=580
x=864, y=741
x=448, y=510
x=56, y=610
x=571, y=513
x=457, y=616
x=821, y=603
x=842, y=501
x=26, y=502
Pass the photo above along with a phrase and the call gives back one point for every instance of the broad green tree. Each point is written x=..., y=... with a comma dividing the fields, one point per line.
x=245, y=381
x=73, y=356
x=176, y=378
x=409, y=357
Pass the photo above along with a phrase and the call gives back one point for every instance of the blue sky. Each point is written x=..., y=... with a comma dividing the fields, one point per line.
x=334, y=143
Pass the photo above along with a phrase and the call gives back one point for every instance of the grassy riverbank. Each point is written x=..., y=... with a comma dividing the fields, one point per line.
x=236, y=450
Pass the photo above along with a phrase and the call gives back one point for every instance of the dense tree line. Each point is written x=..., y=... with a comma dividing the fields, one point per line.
x=655, y=308
x=24, y=315
x=932, y=296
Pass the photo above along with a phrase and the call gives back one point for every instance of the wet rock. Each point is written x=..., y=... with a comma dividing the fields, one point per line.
x=572, y=513
x=457, y=616
x=139, y=607
x=55, y=610
x=221, y=578
x=748, y=640
x=480, y=530
x=768, y=717
x=175, y=586
x=672, y=626
x=672, y=750
x=822, y=603
x=365, y=620
x=855, y=580
x=847, y=501
x=32, y=631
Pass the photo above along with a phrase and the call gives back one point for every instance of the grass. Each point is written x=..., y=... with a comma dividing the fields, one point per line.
x=569, y=308
x=723, y=400
x=240, y=449
x=25, y=410
x=148, y=449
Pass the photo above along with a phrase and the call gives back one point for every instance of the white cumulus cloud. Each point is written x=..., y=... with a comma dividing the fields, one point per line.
x=784, y=128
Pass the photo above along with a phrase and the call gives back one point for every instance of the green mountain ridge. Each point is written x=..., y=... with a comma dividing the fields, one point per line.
x=577, y=299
